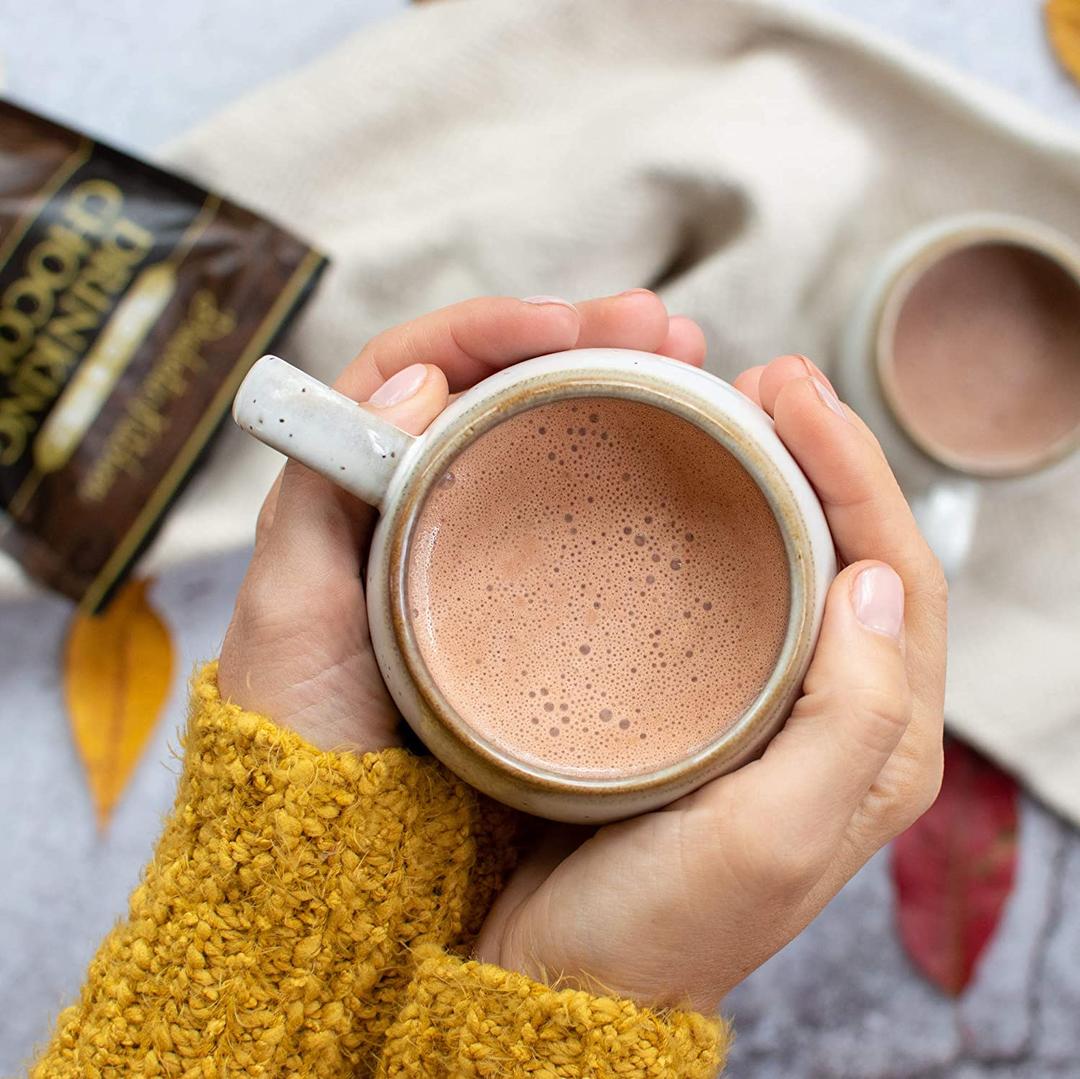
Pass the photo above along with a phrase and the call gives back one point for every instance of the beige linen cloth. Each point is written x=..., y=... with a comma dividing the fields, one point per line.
x=748, y=159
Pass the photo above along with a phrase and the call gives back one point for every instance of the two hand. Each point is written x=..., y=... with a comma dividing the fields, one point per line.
x=673, y=907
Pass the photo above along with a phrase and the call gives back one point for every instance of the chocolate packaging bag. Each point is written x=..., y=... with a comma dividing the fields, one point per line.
x=132, y=302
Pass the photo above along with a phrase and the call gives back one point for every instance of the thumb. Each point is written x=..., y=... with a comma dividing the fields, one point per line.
x=412, y=398
x=856, y=700
x=317, y=528
x=855, y=707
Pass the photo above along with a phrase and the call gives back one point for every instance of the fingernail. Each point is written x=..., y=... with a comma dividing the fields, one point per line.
x=815, y=372
x=878, y=599
x=828, y=398
x=399, y=387
x=637, y=292
x=540, y=300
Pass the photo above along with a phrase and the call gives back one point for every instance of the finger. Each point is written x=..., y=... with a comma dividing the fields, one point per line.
x=867, y=512
x=685, y=341
x=412, y=398
x=870, y=518
x=472, y=339
x=467, y=341
x=634, y=319
x=748, y=382
x=782, y=370
x=855, y=708
x=775, y=375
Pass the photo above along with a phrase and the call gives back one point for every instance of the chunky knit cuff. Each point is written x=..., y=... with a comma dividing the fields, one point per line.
x=472, y=1019
x=272, y=932
x=299, y=918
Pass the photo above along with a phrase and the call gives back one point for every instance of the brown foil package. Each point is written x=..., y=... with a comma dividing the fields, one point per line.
x=131, y=304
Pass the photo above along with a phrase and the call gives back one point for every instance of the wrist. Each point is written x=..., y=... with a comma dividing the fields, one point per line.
x=332, y=702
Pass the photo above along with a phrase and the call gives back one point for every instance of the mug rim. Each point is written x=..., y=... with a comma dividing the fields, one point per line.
x=494, y=769
x=942, y=239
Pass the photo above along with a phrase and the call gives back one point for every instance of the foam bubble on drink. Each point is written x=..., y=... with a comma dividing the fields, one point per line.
x=598, y=587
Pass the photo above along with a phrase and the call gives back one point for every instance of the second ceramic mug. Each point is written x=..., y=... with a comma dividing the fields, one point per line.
x=944, y=488
x=394, y=472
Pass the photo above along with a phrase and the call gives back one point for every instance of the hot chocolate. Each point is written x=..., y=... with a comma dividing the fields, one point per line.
x=984, y=361
x=597, y=586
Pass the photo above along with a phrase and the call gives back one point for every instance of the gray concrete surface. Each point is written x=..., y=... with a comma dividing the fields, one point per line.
x=841, y=1001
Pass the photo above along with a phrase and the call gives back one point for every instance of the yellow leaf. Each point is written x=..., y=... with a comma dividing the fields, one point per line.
x=1063, y=26
x=117, y=670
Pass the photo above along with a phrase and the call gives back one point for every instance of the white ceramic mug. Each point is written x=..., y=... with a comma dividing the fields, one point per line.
x=393, y=471
x=944, y=491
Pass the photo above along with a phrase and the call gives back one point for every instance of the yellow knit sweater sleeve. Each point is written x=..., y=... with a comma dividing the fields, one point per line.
x=304, y=915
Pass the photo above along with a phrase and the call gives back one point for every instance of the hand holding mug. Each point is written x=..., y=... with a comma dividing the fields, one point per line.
x=676, y=906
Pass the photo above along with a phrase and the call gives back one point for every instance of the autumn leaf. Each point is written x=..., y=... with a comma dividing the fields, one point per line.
x=117, y=670
x=1063, y=27
x=955, y=867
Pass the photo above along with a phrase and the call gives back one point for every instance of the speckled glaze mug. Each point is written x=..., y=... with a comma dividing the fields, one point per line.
x=395, y=472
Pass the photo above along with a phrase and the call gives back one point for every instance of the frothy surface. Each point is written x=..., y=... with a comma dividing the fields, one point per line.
x=986, y=355
x=597, y=586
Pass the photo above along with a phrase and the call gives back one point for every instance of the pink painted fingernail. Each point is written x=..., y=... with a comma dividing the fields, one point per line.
x=829, y=399
x=541, y=300
x=878, y=599
x=399, y=387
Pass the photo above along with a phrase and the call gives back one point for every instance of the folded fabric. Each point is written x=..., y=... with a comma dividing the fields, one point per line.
x=303, y=915
x=749, y=159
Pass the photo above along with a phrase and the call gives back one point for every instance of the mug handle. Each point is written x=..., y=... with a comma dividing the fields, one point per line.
x=331, y=434
x=947, y=512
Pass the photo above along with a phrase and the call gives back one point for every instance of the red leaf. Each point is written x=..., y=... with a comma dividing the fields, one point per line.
x=954, y=868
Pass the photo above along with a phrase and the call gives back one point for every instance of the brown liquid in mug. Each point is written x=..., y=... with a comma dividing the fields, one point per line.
x=598, y=587
x=986, y=356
